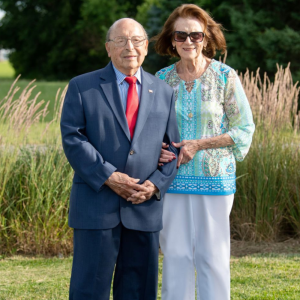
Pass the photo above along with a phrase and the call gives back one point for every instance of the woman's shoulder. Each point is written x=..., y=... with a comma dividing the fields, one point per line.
x=222, y=69
x=164, y=71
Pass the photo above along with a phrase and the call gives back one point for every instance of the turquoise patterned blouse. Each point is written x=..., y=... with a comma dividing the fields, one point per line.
x=217, y=104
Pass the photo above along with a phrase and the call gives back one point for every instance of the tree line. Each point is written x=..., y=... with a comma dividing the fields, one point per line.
x=58, y=39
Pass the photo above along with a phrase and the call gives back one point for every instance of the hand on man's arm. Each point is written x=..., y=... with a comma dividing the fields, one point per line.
x=124, y=185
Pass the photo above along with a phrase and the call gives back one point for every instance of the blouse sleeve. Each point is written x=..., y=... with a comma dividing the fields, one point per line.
x=238, y=112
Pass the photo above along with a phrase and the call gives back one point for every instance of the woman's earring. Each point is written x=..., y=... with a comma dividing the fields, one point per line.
x=173, y=47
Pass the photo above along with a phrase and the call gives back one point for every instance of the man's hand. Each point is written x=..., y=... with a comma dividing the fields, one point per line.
x=140, y=197
x=125, y=186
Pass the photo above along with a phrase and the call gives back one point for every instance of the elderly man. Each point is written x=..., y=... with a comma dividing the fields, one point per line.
x=113, y=123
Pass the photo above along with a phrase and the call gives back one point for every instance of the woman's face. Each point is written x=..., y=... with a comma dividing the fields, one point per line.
x=189, y=50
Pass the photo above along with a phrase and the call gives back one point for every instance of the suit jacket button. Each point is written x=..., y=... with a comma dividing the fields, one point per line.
x=131, y=152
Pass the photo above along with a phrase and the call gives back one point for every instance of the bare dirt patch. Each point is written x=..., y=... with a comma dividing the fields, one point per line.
x=243, y=248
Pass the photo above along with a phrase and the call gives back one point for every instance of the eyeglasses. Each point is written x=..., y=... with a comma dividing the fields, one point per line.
x=181, y=36
x=121, y=41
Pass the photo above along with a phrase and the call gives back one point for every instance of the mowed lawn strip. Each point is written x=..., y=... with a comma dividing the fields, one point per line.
x=257, y=277
x=34, y=278
x=266, y=277
x=48, y=91
x=6, y=70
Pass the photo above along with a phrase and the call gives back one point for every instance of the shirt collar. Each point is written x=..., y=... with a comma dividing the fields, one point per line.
x=121, y=77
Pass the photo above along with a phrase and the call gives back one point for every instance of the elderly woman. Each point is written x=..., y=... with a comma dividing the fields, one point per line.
x=216, y=127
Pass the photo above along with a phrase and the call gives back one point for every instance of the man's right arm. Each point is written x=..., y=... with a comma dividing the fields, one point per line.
x=86, y=161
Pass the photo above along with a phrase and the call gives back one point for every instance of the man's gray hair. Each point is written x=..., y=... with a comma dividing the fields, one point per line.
x=115, y=23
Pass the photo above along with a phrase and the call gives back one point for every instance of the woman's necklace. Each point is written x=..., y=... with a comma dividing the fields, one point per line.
x=190, y=83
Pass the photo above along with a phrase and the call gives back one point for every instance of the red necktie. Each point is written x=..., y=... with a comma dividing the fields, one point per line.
x=132, y=107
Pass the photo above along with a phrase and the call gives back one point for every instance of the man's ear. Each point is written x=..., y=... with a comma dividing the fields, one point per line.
x=146, y=46
x=107, y=46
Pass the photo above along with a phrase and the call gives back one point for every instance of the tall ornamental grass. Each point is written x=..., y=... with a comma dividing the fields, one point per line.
x=35, y=177
x=267, y=202
x=274, y=104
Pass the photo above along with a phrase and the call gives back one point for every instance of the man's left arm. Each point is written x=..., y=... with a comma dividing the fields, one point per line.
x=159, y=181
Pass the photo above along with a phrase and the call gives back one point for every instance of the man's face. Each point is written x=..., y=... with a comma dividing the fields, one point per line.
x=127, y=59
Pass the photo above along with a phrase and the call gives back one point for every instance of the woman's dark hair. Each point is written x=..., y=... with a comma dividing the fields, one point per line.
x=214, y=36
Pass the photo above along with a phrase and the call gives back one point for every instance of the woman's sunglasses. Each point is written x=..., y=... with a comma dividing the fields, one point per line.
x=181, y=36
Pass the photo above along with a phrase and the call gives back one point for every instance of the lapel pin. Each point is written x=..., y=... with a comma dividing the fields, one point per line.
x=150, y=91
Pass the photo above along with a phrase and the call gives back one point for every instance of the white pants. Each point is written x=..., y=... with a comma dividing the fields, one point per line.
x=196, y=235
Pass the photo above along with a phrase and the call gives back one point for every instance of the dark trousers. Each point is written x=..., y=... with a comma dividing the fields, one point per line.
x=133, y=254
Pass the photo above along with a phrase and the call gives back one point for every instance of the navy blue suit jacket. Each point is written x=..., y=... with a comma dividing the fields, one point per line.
x=96, y=141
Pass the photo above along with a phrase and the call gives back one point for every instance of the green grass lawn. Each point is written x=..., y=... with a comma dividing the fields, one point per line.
x=256, y=277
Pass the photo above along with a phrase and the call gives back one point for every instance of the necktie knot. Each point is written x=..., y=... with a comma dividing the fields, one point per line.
x=131, y=80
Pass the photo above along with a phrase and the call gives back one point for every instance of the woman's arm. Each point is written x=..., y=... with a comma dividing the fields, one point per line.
x=240, y=131
x=190, y=147
x=238, y=112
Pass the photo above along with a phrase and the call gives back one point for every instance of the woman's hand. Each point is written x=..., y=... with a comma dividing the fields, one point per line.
x=187, y=152
x=165, y=155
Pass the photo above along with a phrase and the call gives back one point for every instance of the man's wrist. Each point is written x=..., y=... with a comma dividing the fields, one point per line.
x=155, y=191
x=154, y=187
x=110, y=178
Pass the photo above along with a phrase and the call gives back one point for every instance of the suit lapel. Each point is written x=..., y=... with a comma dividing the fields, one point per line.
x=146, y=101
x=110, y=88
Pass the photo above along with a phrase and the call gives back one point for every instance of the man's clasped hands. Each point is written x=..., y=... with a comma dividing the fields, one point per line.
x=129, y=189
